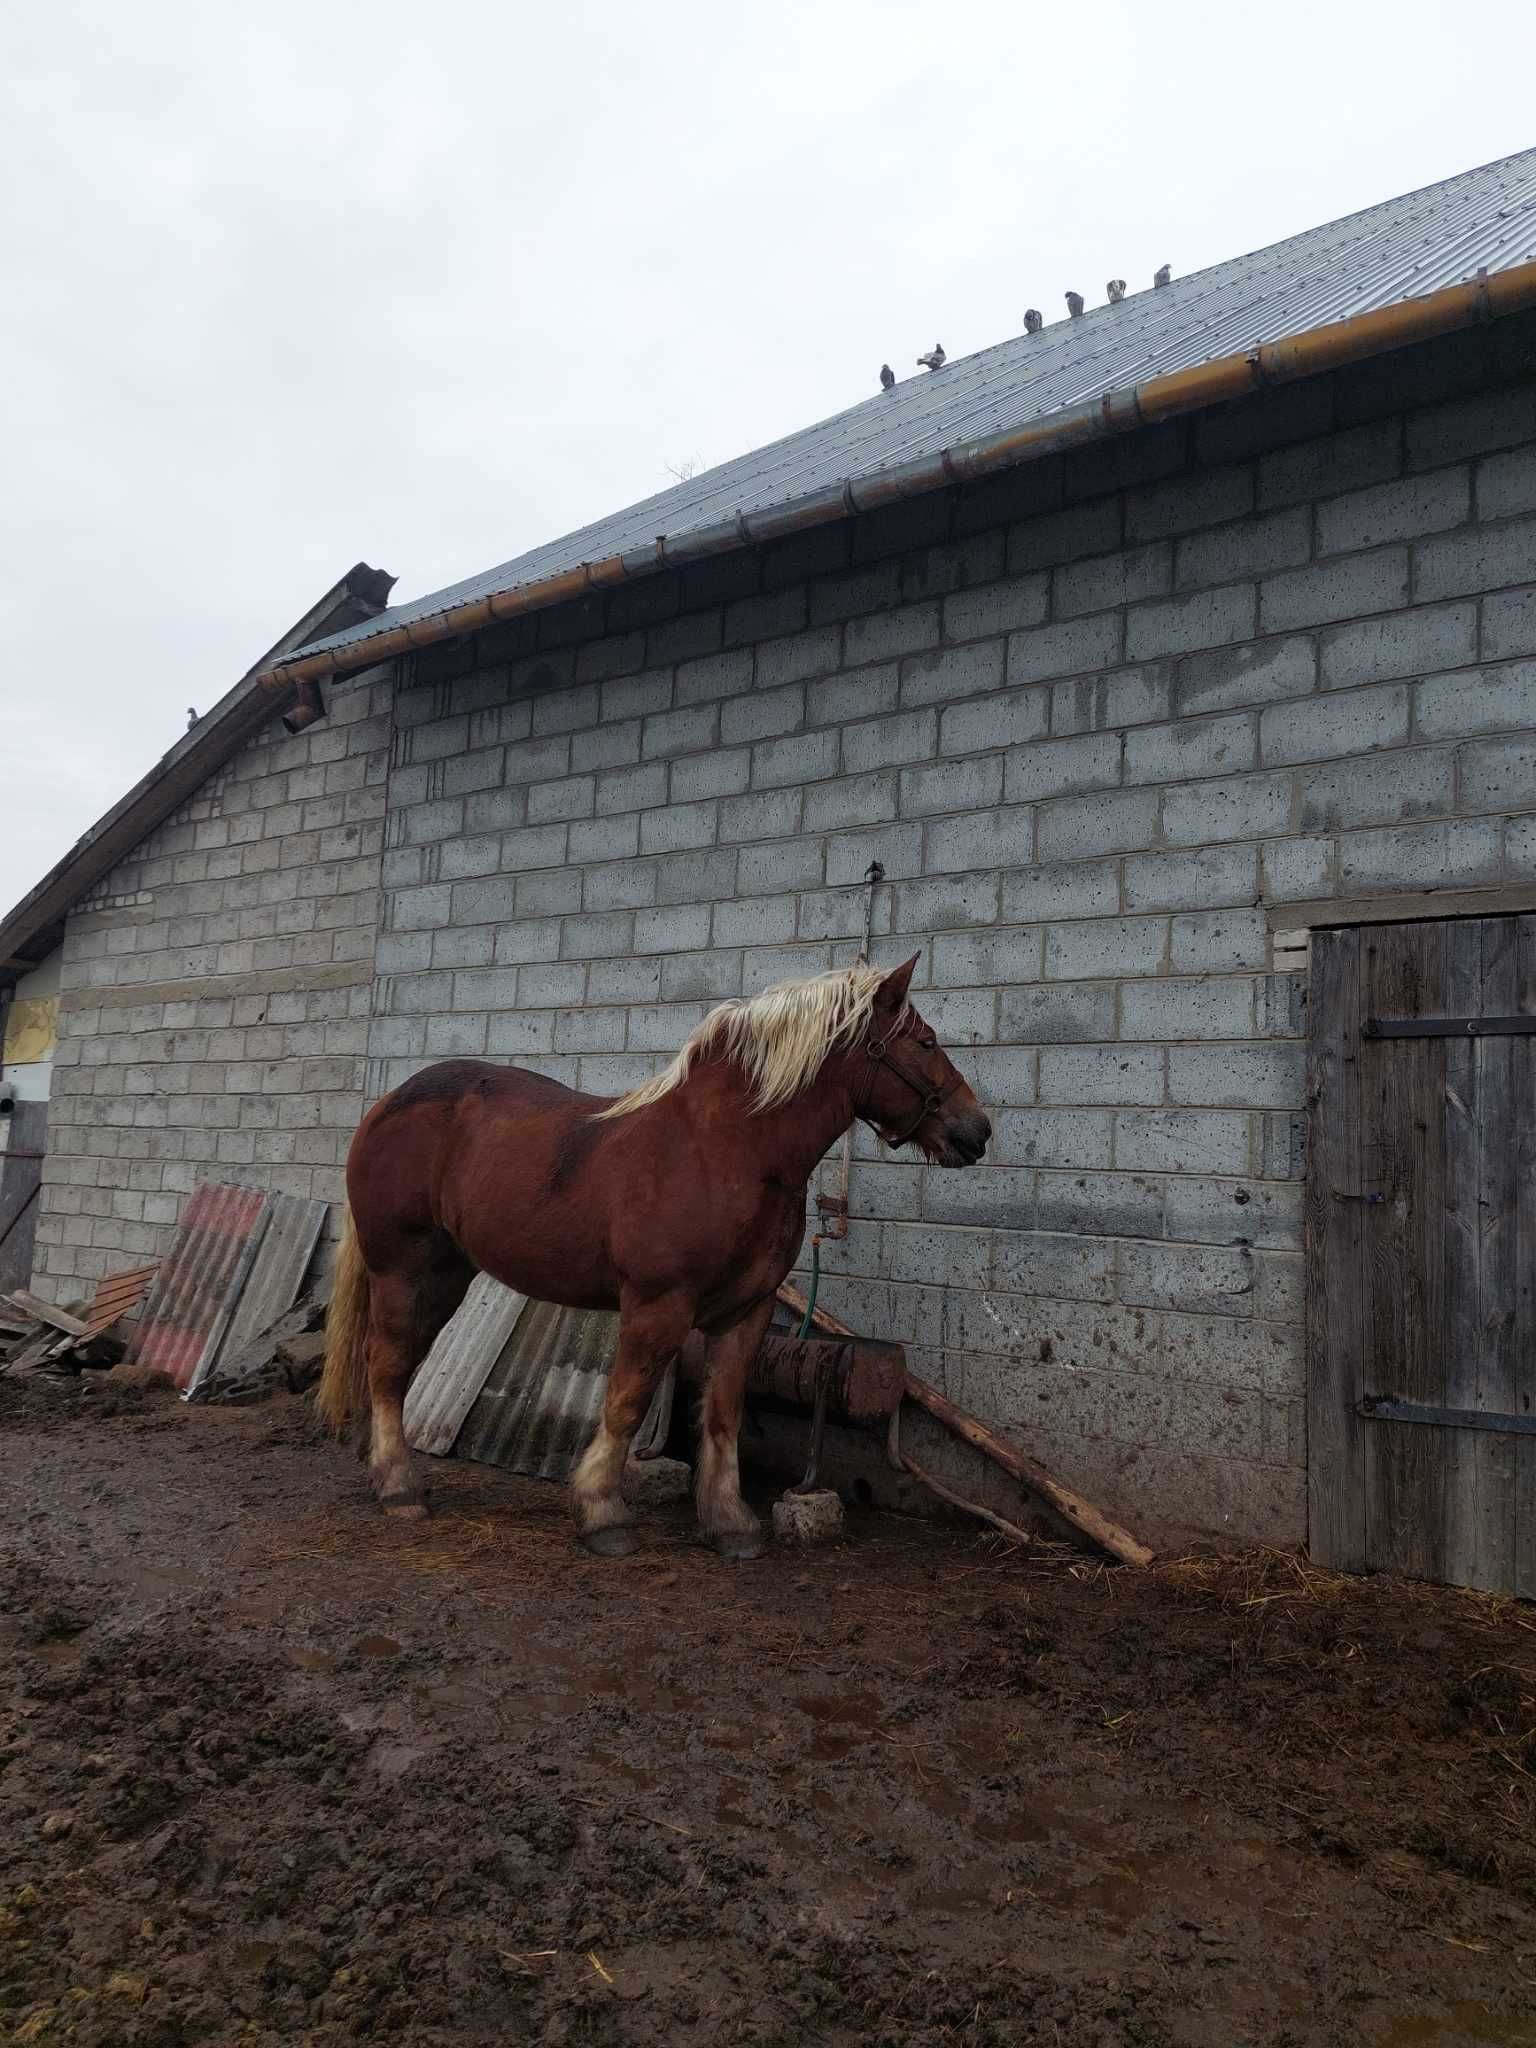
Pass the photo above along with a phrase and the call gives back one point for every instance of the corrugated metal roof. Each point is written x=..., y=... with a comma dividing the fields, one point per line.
x=451, y=1375
x=1402, y=249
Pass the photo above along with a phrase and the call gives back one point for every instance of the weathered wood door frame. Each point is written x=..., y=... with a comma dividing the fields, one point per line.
x=1421, y=1249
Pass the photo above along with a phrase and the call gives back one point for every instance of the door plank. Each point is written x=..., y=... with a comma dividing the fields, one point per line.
x=1493, y=1456
x=1523, y=1339
x=1480, y=1240
x=1335, y=1291
x=1402, y=1153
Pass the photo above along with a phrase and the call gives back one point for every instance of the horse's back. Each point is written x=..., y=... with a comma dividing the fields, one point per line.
x=454, y=1082
x=501, y=1160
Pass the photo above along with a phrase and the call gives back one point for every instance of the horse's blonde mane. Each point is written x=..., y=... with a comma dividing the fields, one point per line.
x=780, y=1037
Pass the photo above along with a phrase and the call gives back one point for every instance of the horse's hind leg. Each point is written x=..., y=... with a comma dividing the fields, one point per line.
x=726, y=1520
x=650, y=1336
x=407, y=1308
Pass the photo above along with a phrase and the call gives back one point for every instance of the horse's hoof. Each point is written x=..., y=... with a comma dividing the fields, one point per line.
x=740, y=1546
x=612, y=1542
x=406, y=1507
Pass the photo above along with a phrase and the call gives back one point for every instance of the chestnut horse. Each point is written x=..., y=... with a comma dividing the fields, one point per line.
x=681, y=1204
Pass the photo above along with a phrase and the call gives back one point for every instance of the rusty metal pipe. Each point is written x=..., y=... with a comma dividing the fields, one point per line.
x=864, y=1378
x=1118, y=412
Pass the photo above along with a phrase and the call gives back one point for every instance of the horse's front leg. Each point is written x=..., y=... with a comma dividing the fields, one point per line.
x=724, y=1516
x=651, y=1334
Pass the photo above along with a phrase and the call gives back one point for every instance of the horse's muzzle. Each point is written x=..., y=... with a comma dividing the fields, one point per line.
x=964, y=1138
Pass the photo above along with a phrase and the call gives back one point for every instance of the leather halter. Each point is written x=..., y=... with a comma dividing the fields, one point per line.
x=932, y=1099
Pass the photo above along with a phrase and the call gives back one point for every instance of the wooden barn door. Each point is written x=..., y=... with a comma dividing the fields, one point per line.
x=1421, y=1240
x=21, y=1173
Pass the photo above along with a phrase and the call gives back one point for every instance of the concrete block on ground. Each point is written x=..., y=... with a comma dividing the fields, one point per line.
x=807, y=1521
x=653, y=1482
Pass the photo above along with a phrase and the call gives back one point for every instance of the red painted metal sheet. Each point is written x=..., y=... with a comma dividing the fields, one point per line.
x=190, y=1303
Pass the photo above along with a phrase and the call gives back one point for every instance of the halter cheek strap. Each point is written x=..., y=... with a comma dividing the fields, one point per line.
x=931, y=1100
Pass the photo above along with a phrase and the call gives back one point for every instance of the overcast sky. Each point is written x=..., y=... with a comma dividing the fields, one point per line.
x=289, y=286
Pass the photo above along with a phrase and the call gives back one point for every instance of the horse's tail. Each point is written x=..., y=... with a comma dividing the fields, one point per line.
x=345, y=1377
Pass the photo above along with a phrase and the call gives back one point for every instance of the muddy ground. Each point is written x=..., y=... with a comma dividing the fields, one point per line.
x=274, y=1770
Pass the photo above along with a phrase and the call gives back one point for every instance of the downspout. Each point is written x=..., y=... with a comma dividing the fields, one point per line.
x=1168, y=397
x=833, y=1209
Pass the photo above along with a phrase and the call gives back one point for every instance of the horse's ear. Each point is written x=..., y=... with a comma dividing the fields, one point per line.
x=892, y=992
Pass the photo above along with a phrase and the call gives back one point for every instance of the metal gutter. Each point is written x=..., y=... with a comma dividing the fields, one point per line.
x=1166, y=397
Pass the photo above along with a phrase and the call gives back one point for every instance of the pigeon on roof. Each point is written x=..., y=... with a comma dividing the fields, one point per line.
x=934, y=360
x=1114, y=291
x=1075, y=305
x=887, y=377
x=191, y=718
x=1163, y=276
x=1033, y=321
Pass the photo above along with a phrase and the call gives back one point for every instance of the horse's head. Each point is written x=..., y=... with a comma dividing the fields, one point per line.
x=908, y=1087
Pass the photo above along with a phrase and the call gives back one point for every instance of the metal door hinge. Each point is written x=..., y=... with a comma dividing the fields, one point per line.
x=1383, y=1408
x=1448, y=1027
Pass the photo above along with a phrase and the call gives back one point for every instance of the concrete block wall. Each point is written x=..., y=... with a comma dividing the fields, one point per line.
x=216, y=994
x=1095, y=718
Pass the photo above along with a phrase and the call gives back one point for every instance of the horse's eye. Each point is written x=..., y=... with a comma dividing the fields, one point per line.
x=929, y=1044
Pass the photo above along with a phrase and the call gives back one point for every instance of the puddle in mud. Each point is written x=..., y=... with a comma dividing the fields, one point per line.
x=377, y=1646
x=59, y=1651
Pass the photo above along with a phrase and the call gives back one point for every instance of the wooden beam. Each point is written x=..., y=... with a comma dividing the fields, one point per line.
x=1409, y=907
x=1081, y=1514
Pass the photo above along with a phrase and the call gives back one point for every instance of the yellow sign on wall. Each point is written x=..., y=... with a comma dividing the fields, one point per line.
x=31, y=1030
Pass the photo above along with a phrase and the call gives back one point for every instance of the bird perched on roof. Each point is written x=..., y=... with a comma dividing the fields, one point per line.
x=1114, y=291
x=1163, y=276
x=1075, y=305
x=935, y=359
x=887, y=377
x=1033, y=320
x=191, y=718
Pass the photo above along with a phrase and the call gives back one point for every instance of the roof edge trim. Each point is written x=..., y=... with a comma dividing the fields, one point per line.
x=1297, y=356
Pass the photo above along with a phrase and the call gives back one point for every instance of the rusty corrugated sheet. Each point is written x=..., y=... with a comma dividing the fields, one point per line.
x=191, y=1301
x=545, y=1392
x=237, y=1264
x=1404, y=248
x=453, y=1372
x=276, y=1274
